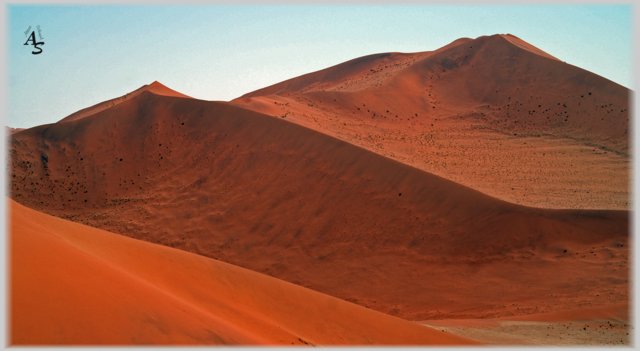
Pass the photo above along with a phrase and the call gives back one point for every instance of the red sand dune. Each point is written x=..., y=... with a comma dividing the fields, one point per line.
x=155, y=87
x=74, y=284
x=467, y=111
x=526, y=46
x=269, y=195
x=502, y=71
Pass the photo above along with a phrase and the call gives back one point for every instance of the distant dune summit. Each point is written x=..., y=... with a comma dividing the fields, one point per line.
x=483, y=179
x=523, y=88
x=155, y=88
x=467, y=110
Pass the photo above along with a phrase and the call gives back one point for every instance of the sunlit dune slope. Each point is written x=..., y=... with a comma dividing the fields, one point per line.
x=74, y=284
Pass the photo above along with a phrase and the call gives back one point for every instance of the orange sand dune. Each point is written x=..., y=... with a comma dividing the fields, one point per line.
x=74, y=284
x=358, y=74
x=155, y=87
x=501, y=75
x=467, y=111
x=269, y=195
x=524, y=45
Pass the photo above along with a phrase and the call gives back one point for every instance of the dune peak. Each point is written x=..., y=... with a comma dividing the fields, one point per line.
x=522, y=44
x=154, y=87
x=158, y=88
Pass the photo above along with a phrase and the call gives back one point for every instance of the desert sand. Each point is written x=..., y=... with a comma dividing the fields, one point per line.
x=608, y=325
x=154, y=87
x=284, y=200
x=438, y=187
x=467, y=111
x=76, y=285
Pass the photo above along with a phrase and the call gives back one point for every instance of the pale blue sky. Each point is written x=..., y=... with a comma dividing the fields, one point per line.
x=219, y=52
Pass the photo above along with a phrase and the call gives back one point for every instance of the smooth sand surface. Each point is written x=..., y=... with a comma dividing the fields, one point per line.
x=74, y=284
x=494, y=113
x=272, y=196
